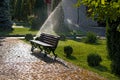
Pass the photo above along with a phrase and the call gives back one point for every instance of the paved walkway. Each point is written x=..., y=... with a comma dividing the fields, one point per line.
x=18, y=63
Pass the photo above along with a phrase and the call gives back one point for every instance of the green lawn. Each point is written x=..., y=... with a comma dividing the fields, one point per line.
x=80, y=52
x=19, y=31
x=79, y=56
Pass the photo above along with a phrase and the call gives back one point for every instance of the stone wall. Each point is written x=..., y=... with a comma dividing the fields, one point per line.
x=74, y=16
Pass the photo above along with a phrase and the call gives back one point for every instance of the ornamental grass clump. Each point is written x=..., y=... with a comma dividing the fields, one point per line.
x=91, y=38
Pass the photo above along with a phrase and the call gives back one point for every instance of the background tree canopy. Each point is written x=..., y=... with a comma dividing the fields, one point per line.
x=5, y=21
x=34, y=12
x=21, y=9
x=102, y=9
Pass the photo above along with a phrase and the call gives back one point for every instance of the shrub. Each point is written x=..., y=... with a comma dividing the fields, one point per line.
x=113, y=45
x=94, y=59
x=62, y=37
x=28, y=37
x=68, y=51
x=37, y=38
x=115, y=67
x=74, y=35
x=91, y=38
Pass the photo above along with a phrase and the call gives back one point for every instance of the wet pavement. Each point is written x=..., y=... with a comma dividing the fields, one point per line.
x=17, y=62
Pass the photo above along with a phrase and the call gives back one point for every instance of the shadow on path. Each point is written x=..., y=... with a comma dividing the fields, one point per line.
x=1, y=40
x=48, y=59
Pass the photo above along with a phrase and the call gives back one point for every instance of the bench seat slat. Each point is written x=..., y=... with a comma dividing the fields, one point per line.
x=41, y=43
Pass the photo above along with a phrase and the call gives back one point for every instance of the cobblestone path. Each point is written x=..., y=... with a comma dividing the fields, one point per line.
x=18, y=63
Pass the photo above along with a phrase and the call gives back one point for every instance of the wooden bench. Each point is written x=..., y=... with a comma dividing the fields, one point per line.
x=46, y=43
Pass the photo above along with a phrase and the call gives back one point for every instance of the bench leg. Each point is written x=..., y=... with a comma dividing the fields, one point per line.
x=41, y=49
x=54, y=55
x=47, y=51
x=32, y=48
x=45, y=55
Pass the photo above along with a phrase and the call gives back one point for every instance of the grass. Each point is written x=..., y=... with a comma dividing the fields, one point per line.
x=80, y=52
x=79, y=56
x=18, y=31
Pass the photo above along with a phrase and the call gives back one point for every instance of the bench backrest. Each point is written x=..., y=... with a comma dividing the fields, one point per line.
x=49, y=39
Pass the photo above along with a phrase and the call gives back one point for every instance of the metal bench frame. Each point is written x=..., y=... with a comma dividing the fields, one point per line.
x=46, y=42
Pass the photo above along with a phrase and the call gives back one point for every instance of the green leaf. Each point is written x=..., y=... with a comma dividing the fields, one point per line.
x=116, y=5
x=102, y=1
x=118, y=28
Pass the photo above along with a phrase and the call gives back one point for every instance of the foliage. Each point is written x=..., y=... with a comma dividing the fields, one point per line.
x=79, y=58
x=113, y=46
x=115, y=67
x=37, y=38
x=28, y=37
x=5, y=28
x=91, y=38
x=74, y=34
x=21, y=9
x=68, y=51
x=81, y=51
x=31, y=19
x=62, y=37
x=18, y=32
x=107, y=11
x=94, y=59
x=39, y=4
x=54, y=4
x=40, y=14
x=5, y=19
x=35, y=23
x=102, y=9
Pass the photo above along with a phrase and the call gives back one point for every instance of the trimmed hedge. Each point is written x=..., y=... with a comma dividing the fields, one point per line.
x=68, y=50
x=94, y=59
x=28, y=37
